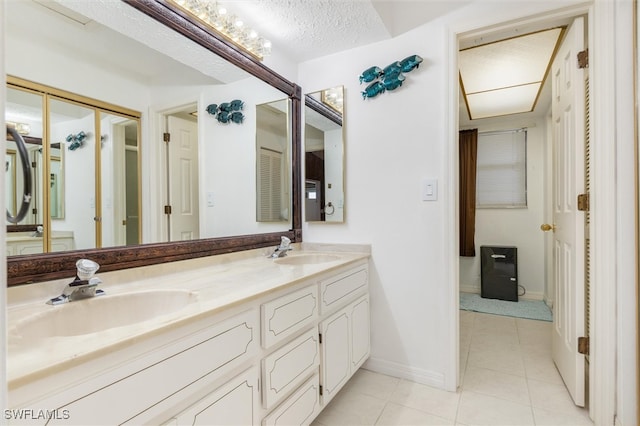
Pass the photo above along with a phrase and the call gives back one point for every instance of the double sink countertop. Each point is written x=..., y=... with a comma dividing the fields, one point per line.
x=139, y=302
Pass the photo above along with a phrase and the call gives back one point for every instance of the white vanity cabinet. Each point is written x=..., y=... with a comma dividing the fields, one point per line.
x=156, y=389
x=273, y=359
x=345, y=345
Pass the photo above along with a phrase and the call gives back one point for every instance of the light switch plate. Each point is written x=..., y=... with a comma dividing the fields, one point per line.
x=429, y=189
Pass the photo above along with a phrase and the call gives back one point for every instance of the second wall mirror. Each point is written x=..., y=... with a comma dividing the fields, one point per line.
x=324, y=156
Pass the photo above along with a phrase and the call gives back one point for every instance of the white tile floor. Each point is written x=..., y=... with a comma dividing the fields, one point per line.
x=507, y=378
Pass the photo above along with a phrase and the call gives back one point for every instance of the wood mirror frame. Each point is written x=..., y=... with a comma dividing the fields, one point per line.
x=23, y=269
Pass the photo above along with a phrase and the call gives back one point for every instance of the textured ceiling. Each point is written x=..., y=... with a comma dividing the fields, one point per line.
x=299, y=30
x=305, y=29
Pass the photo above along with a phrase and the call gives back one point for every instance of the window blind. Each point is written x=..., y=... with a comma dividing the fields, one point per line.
x=270, y=181
x=501, y=179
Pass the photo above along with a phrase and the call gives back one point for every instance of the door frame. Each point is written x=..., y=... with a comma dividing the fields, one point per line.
x=156, y=153
x=602, y=33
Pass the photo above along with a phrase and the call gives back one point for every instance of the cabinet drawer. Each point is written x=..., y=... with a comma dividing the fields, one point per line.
x=300, y=408
x=229, y=344
x=287, y=367
x=288, y=314
x=232, y=404
x=341, y=288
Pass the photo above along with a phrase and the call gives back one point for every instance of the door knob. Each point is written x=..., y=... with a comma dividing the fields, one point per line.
x=546, y=227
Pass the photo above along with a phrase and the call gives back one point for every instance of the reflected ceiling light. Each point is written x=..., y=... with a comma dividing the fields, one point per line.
x=229, y=26
x=333, y=98
x=506, y=77
x=22, y=128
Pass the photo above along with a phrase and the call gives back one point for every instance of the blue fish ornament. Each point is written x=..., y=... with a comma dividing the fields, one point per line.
x=394, y=82
x=226, y=107
x=370, y=74
x=237, y=117
x=236, y=105
x=373, y=90
x=212, y=109
x=392, y=69
x=410, y=63
x=223, y=117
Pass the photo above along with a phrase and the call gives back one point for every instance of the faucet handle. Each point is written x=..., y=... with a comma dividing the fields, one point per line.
x=284, y=242
x=86, y=268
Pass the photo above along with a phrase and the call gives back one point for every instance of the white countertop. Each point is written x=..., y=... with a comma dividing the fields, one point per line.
x=216, y=283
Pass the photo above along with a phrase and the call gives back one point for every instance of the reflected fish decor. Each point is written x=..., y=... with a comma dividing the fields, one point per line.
x=227, y=112
x=76, y=141
x=388, y=78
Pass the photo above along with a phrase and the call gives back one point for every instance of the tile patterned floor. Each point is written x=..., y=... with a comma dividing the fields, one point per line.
x=507, y=378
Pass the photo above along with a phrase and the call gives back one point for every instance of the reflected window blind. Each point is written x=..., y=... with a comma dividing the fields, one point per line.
x=270, y=194
x=501, y=177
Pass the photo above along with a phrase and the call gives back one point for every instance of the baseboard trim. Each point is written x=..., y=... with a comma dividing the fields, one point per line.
x=528, y=295
x=425, y=377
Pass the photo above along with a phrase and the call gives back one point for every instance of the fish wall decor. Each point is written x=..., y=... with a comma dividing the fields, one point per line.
x=227, y=112
x=76, y=141
x=388, y=78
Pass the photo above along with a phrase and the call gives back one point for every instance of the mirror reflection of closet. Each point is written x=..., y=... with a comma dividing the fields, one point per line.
x=324, y=156
x=85, y=171
x=24, y=112
x=119, y=180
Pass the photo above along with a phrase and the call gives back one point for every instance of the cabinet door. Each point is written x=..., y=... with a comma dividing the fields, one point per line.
x=335, y=362
x=300, y=408
x=360, y=333
x=235, y=403
x=345, y=345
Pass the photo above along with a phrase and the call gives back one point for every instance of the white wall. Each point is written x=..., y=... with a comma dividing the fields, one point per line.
x=333, y=165
x=628, y=303
x=227, y=156
x=392, y=142
x=3, y=264
x=515, y=227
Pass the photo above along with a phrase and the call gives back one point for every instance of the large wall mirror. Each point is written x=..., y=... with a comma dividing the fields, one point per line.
x=183, y=183
x=324, y=156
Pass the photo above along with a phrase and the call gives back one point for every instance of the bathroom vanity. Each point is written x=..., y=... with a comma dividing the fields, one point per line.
x=230, y=339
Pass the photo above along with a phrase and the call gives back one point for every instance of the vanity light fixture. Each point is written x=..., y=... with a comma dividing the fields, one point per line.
x=227, y=25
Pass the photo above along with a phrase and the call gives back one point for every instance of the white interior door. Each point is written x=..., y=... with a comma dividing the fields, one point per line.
x=568, y=113
x=183, y=179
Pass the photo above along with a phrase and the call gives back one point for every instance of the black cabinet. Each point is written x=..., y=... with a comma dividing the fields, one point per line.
x=499, y=269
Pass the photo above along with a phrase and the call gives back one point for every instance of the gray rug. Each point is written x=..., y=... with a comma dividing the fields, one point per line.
x=530, y=309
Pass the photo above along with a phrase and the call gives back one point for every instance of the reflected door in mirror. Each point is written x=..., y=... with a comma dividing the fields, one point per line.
x=182, y=161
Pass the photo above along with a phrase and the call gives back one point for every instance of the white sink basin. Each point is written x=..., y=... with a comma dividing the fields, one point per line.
x=306, y=259
x=102, y=313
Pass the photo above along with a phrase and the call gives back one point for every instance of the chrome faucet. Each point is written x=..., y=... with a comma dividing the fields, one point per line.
x=282, y=249
x=38, y=232
x=84, y=286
